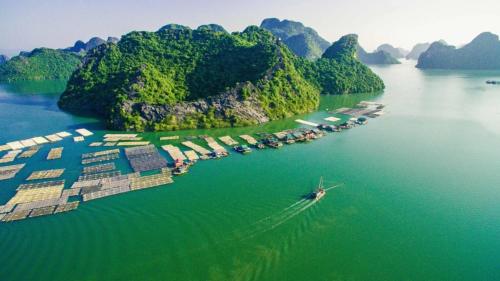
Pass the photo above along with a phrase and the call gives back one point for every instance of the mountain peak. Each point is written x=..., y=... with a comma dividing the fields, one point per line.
x=345, y=46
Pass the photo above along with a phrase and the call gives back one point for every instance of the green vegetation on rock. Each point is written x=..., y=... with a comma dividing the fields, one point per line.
x=179, y=78
x=378, y=57
x=40, y=64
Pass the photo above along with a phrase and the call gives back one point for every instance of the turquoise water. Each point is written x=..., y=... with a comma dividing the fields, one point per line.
x=419, y=199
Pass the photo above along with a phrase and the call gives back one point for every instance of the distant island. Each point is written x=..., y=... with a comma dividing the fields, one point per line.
x=481, y=53
x=180, y=78
x=46, y=63
x=3, y=59
x=303, y=41
x=377, y=57
x=398, y=53
x=417, y=50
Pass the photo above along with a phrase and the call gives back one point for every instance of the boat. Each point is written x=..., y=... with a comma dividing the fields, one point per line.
x=319, y=192
x=180, y=170
x=272, y=142
x=243, y=149
x=493, y=82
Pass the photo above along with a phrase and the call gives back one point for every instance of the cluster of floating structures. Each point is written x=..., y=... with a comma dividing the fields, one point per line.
x=44, y=194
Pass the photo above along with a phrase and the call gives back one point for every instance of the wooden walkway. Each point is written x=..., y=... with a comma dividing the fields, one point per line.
x=201, y=150
x=174, y=152
x=228, y=140
x=251, y=140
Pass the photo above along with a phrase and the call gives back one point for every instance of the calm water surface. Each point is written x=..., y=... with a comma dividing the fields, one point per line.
x=419, y=200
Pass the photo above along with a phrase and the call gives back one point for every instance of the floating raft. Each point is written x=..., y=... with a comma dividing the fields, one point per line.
x=133, y=143
x=99, y=176
x=28, y=143
x=8, y=172
x=170, y=138
x=174, y=152
x=100, y=158
x=332, y=119
x=151, y=181
x=15, y=145
x=53, y=138
x=14, y=216
x=110, y=144
x=119, y=136
x=191, y=155
x=36, y=194
x=55, y=153
x=40, y=140
x=66, y=207
x=78, y=139
x=201, y=150
x=84, y=132
x=43, y=211
x=30, y=152
x=59, y=183
x=101, y=153
x=99, y=168
x=4, y=147
x=251, y=140
x=10, y=156
x=145, y=158
x=46, y=174
x=215, y=145
x=228, y=140
x=281, y=135
x=95, y=144
x=306, y=122
x=63, y=134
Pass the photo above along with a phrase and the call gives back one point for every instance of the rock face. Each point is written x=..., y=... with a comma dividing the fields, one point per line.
x=417, y=50
x=212, y=27
x=378, y=57
x=481, y=53
x=113, y=40
x=303, y=41
x=3, y=59
x=397, y=53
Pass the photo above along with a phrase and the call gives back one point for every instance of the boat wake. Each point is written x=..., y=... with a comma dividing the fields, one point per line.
x=271, y=222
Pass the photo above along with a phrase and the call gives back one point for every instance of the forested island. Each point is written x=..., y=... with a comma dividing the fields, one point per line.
x=180, y=78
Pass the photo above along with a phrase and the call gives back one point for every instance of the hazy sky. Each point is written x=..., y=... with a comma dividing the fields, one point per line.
x=26, y=24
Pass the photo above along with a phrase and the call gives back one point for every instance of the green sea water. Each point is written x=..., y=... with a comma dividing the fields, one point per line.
x=419, y=200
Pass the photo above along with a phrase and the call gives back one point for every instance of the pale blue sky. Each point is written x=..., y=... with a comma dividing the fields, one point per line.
x=26, y=24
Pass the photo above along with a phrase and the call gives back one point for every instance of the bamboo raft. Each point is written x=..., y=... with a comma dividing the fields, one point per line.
x=8, y=172
x=40, y=140
x=78, y=139
x=53, y=138
x=151, y=181
x=100, y=159
x=95, y=144
x=28, y=143
x=43, y=211
x=36, y=194
x=15, y=145
x=99, y=176
x=55, y=153
x=10, y=156
x=110, y=144
x=170, y=138
x=201, y=150
x=215, y=145
x=118, y=136
x=30, y=152
x=228, y=140
x=84, y=132
x=100, y=153
x=66, y=207
x=59, y=183
x=145, y=158
x=174, y=152
x=132, y=143
x=99, y=168
x=63, y=134
x=191, y=155
x=46, y=174
x=14, y=216
x=249, y=139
